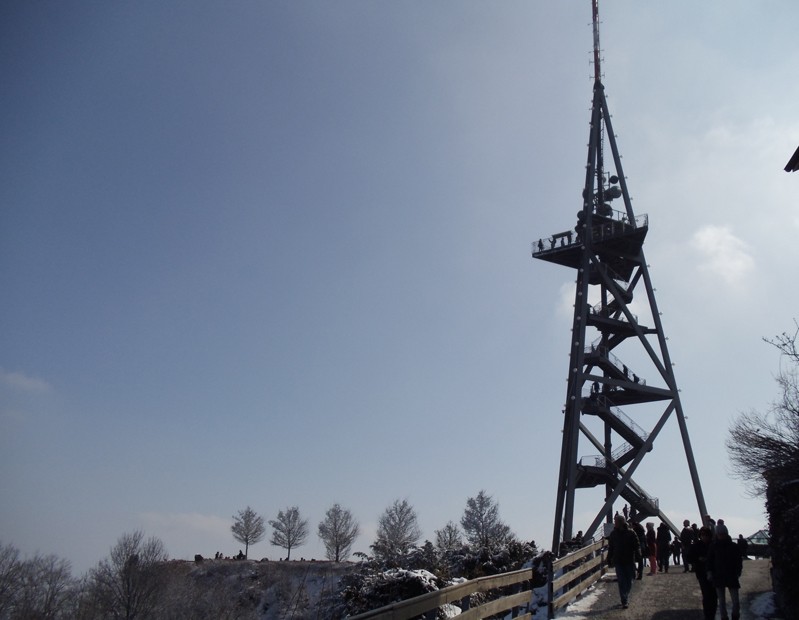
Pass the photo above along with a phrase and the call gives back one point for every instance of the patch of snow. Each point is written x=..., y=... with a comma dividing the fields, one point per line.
x=763, y=606
x=575, y=610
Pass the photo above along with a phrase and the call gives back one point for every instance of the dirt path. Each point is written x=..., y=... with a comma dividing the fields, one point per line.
x=674, y=595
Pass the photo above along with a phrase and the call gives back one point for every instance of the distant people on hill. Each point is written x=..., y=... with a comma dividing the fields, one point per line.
x=687, y=538
x=743, y=545
x=240, y=556
x=652, y=548
x=724, y=565
x=699, y=552
x=663, y=547
x=623, y=552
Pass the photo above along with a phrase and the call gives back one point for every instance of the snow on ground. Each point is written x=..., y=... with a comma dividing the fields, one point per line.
x=763, y=606
x=575, y=610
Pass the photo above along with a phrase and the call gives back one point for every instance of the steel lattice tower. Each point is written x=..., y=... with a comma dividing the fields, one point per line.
x=605, y=249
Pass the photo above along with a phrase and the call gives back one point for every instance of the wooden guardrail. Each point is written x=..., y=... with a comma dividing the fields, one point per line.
x=573, y=574
x=567, y=578
x=427, y=604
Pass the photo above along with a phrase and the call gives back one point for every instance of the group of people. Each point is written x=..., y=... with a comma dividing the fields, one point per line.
x=708, y=551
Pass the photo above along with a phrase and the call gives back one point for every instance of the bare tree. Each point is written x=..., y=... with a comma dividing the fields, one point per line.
x=129, y=582
x=762, y=445
x=338, y=532
x=289, y=530
x=248, y=528
x=397, y=532
x=448, y=538
x=764, y=450
x=10, y=577
x=46, y=586
x=38, y=587
x=481, y=523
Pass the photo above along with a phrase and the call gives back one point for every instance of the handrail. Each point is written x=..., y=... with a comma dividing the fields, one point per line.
x=616, y=412
x=608, y=227
x=599, y=310
x=567, y=578
x=582, y=568
x=617, y=363
x=431, y=601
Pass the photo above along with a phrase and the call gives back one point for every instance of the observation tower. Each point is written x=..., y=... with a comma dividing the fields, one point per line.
x=620, y=375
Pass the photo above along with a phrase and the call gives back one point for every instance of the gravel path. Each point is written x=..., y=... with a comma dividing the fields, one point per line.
x=675, y=595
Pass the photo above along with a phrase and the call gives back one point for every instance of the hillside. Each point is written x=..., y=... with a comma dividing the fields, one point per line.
x=248, y=589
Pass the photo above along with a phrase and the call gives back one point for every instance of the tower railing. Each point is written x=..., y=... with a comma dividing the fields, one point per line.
x=617, y=413
x=600, y=310
x=615, y=224
x=604, y=352
x=601, y=462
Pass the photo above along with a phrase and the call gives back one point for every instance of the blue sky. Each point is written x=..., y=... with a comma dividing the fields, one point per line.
x=278, y=253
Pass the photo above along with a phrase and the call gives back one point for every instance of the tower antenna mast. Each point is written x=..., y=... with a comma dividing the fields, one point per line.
x=595, y=10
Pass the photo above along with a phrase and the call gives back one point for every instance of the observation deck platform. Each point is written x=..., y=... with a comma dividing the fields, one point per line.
x=615, y=239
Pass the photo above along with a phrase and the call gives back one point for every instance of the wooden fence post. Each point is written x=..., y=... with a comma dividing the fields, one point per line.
x=550, y=593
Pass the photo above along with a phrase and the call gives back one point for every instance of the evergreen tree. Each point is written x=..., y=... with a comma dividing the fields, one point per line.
x=483, y=528
x=397, y=532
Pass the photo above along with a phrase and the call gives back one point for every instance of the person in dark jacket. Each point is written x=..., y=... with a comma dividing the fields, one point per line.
x=699, y=550
x=664, y=547
x=676, y=551
x=641, y=534
x=687, y=537
x=623, y=551
x=652, y=548
x=724, y=566
x=743, y=545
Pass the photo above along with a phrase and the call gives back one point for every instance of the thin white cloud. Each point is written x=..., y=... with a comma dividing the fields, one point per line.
x=565, y=307
x=723, y=254
x=23, y=382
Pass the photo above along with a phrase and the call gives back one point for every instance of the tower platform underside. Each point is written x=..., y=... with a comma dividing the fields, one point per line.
x=615, y=239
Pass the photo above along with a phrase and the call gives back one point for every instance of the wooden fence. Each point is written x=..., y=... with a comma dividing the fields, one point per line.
x=426, y=605
x=568, y=577
x=573, y=574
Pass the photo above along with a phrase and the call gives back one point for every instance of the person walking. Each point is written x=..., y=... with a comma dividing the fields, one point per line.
x=623, y=552
x=699, y=551
x=641, y=535
x=676, y=551
x=687, y=537
x=652, y=548
x=724, y=567
x=743, y=546
x=664, y=547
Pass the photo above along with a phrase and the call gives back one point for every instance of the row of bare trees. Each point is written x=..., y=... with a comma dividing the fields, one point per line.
x=397, y=529
x=136, y=580
x=338, y=530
